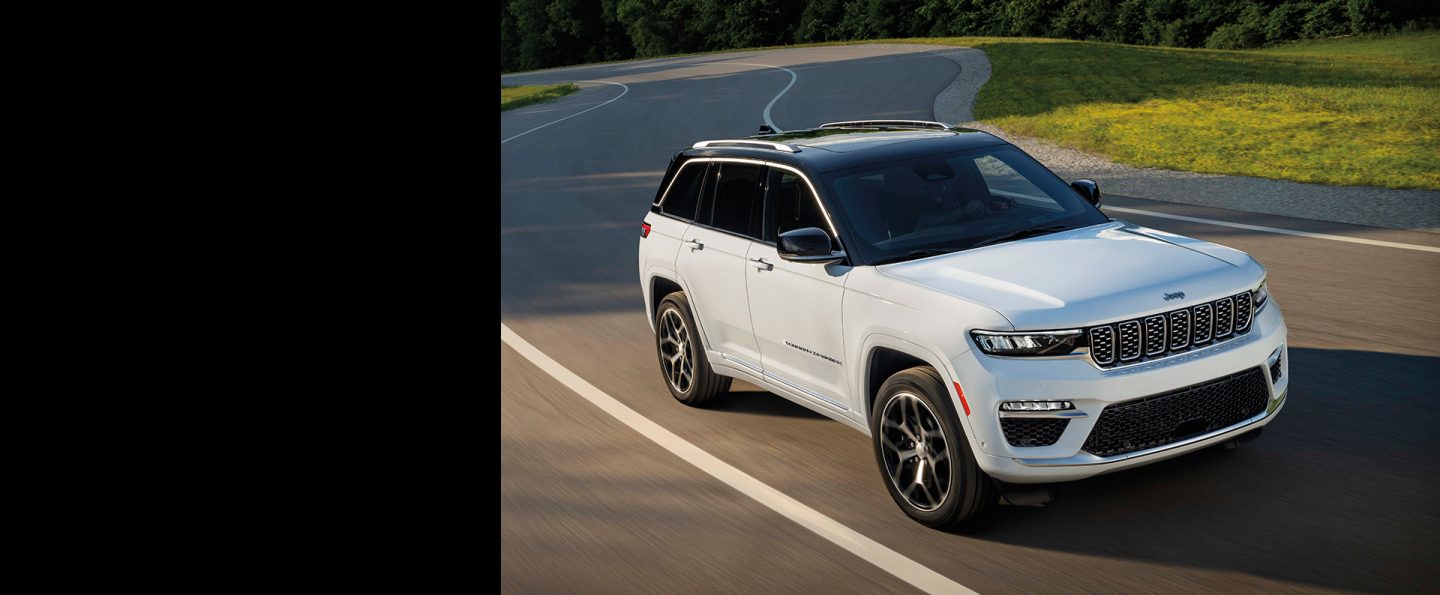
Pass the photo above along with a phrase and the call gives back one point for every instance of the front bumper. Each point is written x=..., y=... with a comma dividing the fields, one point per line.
x=988, y=381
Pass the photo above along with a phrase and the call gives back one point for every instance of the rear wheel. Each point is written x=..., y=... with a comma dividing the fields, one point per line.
x=683, y=362
x=923, y=455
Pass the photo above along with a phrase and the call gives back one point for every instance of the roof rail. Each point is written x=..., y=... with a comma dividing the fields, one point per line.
x=887, y=124
x=756, y=144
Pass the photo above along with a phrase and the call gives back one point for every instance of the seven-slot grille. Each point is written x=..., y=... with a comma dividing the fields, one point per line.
x=1171, y=332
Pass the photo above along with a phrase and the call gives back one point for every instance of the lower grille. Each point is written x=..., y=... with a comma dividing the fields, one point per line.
x=1275, y=368
x=1032, y=431
x=1170, y=417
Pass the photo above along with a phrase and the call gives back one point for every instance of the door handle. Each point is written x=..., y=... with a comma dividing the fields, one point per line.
x=695, y=244
x=760, y=264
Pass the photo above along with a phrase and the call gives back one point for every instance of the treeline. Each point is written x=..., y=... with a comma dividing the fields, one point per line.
x=544, y=33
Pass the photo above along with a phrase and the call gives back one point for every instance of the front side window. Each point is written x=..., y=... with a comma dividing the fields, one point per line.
x=737, y=200
x=789, y=205
x=684, y=192
x=942, y=203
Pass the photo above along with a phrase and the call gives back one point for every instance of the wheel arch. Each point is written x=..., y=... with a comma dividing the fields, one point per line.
x=660, y=284
x=882, y=363
x=659, y=287
x=885, y=355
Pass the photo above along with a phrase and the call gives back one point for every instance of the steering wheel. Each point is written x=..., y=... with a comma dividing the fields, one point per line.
x=1000, y=203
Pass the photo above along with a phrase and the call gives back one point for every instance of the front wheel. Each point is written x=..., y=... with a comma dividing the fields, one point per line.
x=923, y=456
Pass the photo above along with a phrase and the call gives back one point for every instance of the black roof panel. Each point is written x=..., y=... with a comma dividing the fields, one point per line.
x=830, y=149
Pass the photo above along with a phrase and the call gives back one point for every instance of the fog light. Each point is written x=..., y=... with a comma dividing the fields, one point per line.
x=1036, y=406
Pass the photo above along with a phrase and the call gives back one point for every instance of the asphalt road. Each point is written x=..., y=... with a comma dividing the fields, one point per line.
x=1339, y=494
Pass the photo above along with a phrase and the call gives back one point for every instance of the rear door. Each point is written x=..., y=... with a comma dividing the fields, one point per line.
x=712, y=261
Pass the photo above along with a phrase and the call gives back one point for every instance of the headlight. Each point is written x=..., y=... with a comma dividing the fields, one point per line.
x=1261, y=296
x=1026, y=343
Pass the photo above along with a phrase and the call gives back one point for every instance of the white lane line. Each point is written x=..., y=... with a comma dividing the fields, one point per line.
x=1288, y=232
x=910, y=571
x=766, y=113
x=623, y=90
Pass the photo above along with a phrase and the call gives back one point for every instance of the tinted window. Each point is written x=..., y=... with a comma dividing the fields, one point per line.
x=685, y=191
x=955, y=201
x=789, y=205
x=736, y=199
x=1003, y=180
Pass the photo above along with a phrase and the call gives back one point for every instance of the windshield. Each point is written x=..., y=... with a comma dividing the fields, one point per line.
x=943, y=203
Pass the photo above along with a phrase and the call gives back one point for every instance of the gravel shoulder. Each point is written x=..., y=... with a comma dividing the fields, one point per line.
x=1417, y=210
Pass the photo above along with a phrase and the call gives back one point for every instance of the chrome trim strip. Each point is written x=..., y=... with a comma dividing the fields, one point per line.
x=731, y=358
x=1066, y=332
x=807, y=392
x=764, y=144
x=1064, y=414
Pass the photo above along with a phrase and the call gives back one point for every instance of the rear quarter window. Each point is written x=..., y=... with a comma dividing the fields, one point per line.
x=684, y=192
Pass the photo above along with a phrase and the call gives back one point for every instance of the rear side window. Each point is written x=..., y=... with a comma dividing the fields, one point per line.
x=737, y=202
x=685, y=191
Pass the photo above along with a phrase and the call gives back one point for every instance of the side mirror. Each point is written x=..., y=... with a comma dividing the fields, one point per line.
x=1088, y=189
x=807, y=244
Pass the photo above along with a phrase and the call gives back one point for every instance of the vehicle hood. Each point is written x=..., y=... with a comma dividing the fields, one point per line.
x=1086, y=276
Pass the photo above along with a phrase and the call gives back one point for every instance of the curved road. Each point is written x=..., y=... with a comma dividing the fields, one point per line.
x=1339, y=494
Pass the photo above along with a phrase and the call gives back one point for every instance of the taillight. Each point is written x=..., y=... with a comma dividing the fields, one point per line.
x=644, y=230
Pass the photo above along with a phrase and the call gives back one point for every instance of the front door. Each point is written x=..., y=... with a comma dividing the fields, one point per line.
x=795, y=307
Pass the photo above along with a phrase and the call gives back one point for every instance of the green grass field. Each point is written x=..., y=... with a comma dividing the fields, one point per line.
x=1353, y=111
x=513, y=97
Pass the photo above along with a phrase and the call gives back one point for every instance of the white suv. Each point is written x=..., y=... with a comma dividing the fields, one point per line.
x=944, y=293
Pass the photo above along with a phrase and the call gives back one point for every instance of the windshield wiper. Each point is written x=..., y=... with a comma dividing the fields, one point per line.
x=1038, y=230
x=913, y=254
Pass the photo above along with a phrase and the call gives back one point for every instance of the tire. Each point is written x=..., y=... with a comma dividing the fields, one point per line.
x=954, y=492
x=681, y=352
